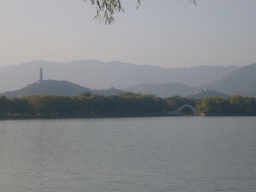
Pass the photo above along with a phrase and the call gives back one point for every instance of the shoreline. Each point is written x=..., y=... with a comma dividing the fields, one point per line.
x=79, y=116
x=20, y=117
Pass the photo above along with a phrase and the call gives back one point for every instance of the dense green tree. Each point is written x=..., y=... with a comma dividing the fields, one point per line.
x=208, y=106
x=250, y=105
x=96, y=104
x=85, y=94
x=4, y=106
x=125, y=104
x=19, y=106
x=237, y=104
x=222, y=105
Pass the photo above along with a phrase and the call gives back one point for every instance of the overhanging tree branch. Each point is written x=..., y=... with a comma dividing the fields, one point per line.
x=107, y=8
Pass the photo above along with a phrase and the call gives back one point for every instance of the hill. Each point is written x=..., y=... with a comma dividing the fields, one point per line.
x=241, y=82
x=163, y=90
x=105, y=92
x=53, y=87
x=207, y=93
x=102, y=75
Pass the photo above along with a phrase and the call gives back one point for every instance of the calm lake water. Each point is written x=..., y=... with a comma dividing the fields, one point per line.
x=128, y=154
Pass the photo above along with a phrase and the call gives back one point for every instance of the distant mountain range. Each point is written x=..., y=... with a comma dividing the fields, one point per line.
x=100, y=75
x=65, y=88
x=240, y=82
x=162, y=82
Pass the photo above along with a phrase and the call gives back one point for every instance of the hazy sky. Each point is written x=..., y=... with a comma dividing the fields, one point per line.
x=162, y=33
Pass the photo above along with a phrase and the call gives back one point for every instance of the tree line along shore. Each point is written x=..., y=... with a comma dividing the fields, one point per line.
x=124, y=104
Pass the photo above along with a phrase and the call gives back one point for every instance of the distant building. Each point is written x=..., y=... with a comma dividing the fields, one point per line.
x=40, y=76
x=200, y=94
x=203, y=90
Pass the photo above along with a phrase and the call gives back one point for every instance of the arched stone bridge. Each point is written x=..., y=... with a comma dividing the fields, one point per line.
x=185, y=110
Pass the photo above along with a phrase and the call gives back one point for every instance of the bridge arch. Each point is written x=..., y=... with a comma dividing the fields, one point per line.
x=185, y=110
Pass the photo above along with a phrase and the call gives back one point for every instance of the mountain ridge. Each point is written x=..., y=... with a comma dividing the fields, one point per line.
x=241, y=82
x=103, y=75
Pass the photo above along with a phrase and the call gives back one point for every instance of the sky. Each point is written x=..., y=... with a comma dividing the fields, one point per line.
x=171, y=33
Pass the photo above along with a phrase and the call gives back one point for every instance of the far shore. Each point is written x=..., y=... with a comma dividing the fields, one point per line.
x=19, y=117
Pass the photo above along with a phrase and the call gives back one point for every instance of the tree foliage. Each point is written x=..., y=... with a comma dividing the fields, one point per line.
x=124, y=104
x=235, y=105
x=82, y=105
x=107, y=8
x=86, y=104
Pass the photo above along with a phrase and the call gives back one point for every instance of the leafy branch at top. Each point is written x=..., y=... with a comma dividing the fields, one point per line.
x=107, y=8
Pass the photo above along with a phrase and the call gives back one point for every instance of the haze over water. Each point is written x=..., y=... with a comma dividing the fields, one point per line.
x=129, y=154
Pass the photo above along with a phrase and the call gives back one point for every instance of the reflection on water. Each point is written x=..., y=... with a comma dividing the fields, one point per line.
x=129, y=154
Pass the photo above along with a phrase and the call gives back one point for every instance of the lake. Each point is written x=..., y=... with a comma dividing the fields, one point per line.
x=128, y=154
